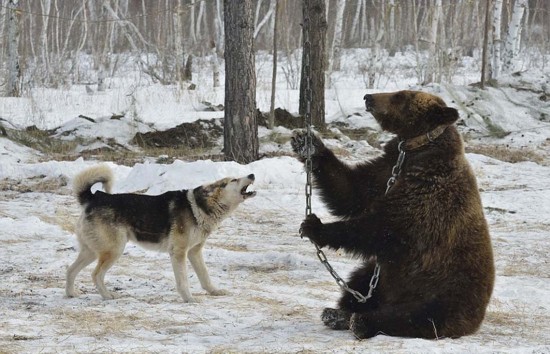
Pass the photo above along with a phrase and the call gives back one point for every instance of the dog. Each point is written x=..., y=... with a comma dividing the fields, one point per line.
x=177, y=222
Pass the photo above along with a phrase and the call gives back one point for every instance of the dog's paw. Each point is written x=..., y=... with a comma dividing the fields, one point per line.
x=359, y=326
x=71, y=292
x=218, y=292
x=336, y=319
x=108, y=296
x=299, y=143
x=311, y=228
x=191, y=300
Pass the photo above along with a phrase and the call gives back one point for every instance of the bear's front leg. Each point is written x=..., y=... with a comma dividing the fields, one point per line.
x=336, y=319
x=300, y=146
x=355, y=235
x=312, y=228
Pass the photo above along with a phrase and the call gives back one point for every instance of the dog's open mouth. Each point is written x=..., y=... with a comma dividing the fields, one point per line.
x=247, y=194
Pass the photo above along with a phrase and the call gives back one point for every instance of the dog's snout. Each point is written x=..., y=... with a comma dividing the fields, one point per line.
x=251, y=176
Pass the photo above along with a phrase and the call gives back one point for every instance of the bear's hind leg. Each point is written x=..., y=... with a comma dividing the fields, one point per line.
x=418, y=320
x=339, y=318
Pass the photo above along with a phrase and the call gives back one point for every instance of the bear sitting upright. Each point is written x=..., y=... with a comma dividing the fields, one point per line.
x=415, y=211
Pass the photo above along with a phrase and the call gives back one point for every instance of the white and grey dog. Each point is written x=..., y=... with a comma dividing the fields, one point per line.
x=177, y=222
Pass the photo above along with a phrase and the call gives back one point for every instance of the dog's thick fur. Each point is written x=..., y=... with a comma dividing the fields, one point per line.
x=177, y=222
x=427, y=231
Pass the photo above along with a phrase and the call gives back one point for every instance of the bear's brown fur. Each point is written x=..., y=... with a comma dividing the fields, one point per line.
x=426, y=229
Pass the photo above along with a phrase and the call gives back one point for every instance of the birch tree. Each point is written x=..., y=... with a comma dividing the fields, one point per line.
x=432, y=64
x=258, y=25
x=391, y=28
x=271, y=120
x=355, y=25
x=513, y=37
x=486, y=35
x=178, y=42
x=14, y=71
x=496, y=62
x=240, y=125
x=336, y=49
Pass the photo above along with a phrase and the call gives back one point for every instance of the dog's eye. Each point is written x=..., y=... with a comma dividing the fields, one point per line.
x=234, y=180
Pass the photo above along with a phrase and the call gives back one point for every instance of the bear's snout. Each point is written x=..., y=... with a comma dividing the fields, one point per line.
x=369, y=101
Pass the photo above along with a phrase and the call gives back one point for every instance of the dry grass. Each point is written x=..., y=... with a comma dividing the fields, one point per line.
x=42, y=141
x=508, y=319
x=40, y=184
x=507, y=154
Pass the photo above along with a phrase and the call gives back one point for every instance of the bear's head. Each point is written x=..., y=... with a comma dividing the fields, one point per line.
x=409, y=113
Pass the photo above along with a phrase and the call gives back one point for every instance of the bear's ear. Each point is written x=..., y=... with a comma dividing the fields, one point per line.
x=443, y=115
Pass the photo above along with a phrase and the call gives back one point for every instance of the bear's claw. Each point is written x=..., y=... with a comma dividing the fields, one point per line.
x=299, y=144
x=336, y=319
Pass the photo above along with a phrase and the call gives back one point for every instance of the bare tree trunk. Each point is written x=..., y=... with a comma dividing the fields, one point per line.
x=14, y=70
x=431, y=68
x=364, y=23
x=392, y=29
x=215, y=66
x=271, y=120
x=240, y=125
x=496, y=61
x=44, y=50
x=485, y=45
x=355, y=25
x=513, y=38
x=266, y=18
x=375, y=56
x=314, y=10
x=192, y=34
x=336, y=49
x=220, y=35
x=200, y=16
x=178, y=40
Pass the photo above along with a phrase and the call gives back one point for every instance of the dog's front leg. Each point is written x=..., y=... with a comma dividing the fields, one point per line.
x=179, y=264
x=195, y=256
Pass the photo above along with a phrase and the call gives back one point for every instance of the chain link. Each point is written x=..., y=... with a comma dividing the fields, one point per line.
x=309, y=170
x=396, y=170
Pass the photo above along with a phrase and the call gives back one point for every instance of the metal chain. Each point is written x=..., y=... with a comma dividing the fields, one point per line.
x=396, y=170
x=309, y=171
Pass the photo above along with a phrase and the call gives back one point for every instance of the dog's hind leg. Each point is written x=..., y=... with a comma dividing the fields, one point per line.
x=105, y=261
x=85, y=257
x=179, y=264
x=197, y=261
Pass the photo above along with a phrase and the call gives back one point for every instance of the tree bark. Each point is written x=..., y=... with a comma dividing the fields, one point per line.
x=496, y=61
x=271, y=120
x=513, y=38
x=336, y=50
x=240, y=125
x=314, y=10
x=485, y=45
x=14, y=70
x=431, y=69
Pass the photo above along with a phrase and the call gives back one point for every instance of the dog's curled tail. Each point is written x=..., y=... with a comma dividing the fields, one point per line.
x=84, y=181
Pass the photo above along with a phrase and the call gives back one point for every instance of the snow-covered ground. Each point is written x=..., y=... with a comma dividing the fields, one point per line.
x=277, y=286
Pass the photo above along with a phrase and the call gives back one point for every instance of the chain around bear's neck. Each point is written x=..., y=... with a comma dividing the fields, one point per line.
x=411, y=144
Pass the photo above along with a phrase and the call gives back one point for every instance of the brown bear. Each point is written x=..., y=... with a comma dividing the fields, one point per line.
x=415, y=214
